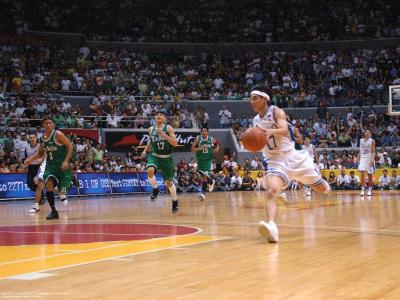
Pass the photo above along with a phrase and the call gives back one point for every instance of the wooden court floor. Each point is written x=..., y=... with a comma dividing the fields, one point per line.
x=335, y=246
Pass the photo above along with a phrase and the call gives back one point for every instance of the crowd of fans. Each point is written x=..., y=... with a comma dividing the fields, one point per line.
x=297, y=78
x=104, y=111
x=352, y=182
x=219, y=21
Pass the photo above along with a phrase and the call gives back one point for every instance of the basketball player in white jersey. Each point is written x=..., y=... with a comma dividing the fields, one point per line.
x=312, y=151
x=284, y=162
x=366, y=161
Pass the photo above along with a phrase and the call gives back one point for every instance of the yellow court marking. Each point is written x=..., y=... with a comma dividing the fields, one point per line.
x=18, y=260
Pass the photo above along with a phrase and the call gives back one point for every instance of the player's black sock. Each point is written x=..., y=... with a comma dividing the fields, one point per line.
x=50, y=198
x=204, y=186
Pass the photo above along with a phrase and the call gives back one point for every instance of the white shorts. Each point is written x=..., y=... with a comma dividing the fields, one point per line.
x=295, y=165
x=366, y=165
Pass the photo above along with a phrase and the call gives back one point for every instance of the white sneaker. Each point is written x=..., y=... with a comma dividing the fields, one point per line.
x=283, y=197
x=202, y=197
x=34, y=210
x=362, y=193
x=308, y=194
x=64, y=201
x=269, y=231
x=369, y=193
x=211, y=186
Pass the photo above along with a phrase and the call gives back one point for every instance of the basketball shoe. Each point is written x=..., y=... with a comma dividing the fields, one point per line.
x=269, y=231
x=154, y=194
x=175, y=206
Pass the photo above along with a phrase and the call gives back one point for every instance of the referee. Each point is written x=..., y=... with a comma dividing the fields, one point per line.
x=33, y=170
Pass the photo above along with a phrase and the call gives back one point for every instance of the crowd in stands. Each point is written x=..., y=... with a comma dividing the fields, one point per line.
x=219, y=21
x=297, y=78
x=352, y=182
x=104, y=111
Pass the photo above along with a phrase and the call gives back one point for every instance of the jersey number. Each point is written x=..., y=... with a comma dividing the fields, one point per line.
x=50, y=155
x=205, y=150
x=271, y=144
x=160, y=145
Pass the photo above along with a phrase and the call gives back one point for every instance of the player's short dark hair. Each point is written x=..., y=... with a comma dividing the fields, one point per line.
x=204, y=127
x=48, y=118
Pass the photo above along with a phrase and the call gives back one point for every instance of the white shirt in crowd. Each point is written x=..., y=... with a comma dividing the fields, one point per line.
x=113, y=120
x=224, y=115
x=342, y=179
x=349, y=179
x=218, y=82
x=80, y=148
x=65, y=84
x=236, y=180
x=384, y=180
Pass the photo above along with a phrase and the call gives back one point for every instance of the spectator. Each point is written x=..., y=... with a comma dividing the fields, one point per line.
x=260, y=181
x=384, y=181
x=341, y=182
x=353, y=181
x=248, y=182
x=394, y=182
x=236, y=182
x=332, y=180
x=225, y=116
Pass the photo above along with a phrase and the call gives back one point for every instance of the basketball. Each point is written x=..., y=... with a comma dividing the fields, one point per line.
x=254, y=139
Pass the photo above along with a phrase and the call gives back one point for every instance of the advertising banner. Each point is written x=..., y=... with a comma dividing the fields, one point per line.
x=89, y=133
x=122, y=141
x=92, y=184
x=14, y=185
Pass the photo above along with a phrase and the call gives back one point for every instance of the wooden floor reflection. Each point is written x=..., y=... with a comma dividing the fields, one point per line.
x=335, y=246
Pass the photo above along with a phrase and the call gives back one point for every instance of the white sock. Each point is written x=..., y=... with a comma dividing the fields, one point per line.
x=36, y=205
x=172, y=190
x=363, y=188
x=153, y=182
x=370, y=188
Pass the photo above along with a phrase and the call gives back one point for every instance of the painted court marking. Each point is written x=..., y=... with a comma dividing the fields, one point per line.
x=119, y=242
x=30, y=276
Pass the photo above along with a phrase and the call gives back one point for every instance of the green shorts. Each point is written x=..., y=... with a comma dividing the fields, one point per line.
x=205, y=166
x=63, y=178
x=161, y=164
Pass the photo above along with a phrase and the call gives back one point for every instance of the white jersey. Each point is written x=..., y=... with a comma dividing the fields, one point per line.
x=276, y=146
x=365, y=148
x=309, y=149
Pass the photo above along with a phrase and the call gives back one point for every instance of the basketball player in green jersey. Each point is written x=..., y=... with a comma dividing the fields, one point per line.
x=159, y=149
x=57, y=173
x=205, y=147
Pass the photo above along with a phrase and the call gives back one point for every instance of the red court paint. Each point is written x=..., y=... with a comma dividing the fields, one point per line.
x=86, y=233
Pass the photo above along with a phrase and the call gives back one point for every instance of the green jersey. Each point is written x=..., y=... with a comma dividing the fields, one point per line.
x=159, y=145
x=55, y=153
x=207, y=153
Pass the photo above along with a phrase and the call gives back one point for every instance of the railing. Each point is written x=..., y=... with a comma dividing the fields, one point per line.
x=100, y=122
